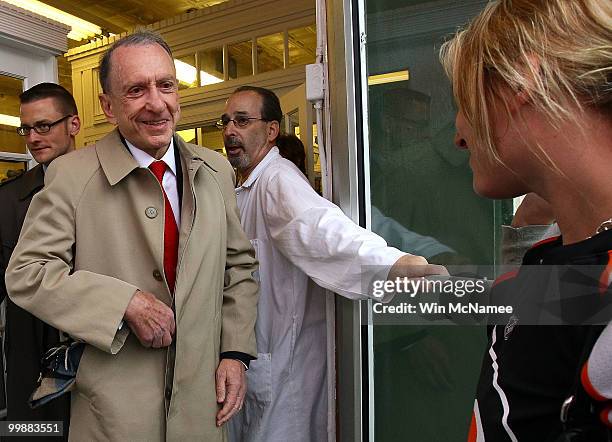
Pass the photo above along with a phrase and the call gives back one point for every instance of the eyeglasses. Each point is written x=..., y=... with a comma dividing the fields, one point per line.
x=41, y=128
x=241, y=122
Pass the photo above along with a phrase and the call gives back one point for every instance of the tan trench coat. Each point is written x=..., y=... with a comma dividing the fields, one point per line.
x=90, y=240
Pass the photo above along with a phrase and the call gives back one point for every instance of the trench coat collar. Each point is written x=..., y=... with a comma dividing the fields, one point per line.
x=117, y=162
x=31, y=182
x=191, y=156
x=270, y=156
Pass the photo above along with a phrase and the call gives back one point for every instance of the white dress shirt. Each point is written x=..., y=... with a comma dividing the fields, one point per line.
x=169, y=179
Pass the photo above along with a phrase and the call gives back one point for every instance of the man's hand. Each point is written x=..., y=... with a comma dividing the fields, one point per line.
x=412, y=266
x=231, y=388
x=151, y=320
x=533, y=211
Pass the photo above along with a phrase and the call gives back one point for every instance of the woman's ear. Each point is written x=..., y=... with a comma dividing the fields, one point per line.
x=522, y=96
x=533, y=75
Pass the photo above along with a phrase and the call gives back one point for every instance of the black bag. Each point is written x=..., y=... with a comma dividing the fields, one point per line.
x=579, y=413
x=58, y=372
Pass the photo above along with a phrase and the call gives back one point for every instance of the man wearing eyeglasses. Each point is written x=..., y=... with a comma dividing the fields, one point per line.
x=49, y=124
x=304, y=244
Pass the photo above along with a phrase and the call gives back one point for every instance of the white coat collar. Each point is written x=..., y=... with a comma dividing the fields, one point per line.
x=270, y=156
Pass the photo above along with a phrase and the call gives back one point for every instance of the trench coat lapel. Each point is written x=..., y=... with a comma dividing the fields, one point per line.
x=196, y=209
x=190, y=165
x=115, y=160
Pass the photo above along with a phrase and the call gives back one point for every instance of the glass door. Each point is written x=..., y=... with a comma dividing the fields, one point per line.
x=421, y=379
x=14, y=160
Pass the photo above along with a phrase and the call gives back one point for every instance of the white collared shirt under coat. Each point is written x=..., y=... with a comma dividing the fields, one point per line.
x=303, y=243
x=169, y=183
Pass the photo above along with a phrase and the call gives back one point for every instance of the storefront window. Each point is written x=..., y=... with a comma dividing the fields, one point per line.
x=293, y=122
x=315, y=151
x=212, y=138
x=12, y=147
x=188, y=135
x=10, y=169
x=424, y=376
x=270, y=53
x=240, y=59
x=186, y=71
x=210, y=64
x=10, y=88
x=302, y=45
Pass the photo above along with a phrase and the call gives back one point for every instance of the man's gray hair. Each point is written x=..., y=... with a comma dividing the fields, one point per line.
x=140, y=37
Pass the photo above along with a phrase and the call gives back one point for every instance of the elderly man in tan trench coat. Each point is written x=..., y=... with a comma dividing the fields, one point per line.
x=90, y=261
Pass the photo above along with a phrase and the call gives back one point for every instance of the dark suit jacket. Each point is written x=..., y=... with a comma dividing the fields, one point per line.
x=26, y=337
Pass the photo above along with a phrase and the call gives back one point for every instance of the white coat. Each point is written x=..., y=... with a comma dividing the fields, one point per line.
x=304, y=243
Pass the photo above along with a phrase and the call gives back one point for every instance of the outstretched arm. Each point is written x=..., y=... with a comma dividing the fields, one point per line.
x=316, y=236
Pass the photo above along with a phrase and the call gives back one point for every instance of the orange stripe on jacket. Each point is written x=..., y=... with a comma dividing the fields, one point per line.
x=604, y=279
x=605, y=418
x=544, y=241
x=587, y=385
x=473, y=433
x=505, y=277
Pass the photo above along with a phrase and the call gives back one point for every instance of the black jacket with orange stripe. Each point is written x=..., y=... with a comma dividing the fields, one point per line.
x=528, y=370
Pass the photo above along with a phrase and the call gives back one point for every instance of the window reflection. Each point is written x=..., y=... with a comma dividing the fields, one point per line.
x=270, y=53
x=212, y=138
x=240, y=59
x=207, y=66
x=186, y=72
x=302, y=45
x=10, y=169
x=210, y=63
x=10, y=88
x=188, y=135
x=293, y=122
x=315, y=151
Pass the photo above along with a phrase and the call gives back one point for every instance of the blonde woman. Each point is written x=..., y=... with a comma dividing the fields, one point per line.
x=533, y=84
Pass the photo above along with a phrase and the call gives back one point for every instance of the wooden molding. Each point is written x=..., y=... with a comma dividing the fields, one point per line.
x=25, y=27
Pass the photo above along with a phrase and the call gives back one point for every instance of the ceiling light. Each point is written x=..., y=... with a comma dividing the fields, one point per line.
x=80, y=29
x=9, y=120
x=186, y=73
x=389, y=77
x=206, y=79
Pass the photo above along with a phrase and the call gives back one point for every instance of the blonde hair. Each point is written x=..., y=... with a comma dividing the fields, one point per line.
x=556, y=52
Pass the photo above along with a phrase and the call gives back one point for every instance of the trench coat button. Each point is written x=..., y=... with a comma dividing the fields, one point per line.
x=151, y=212
x=168, y=393
x=157, y=275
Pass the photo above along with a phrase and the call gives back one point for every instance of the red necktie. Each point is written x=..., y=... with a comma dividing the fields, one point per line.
x=171, y=235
